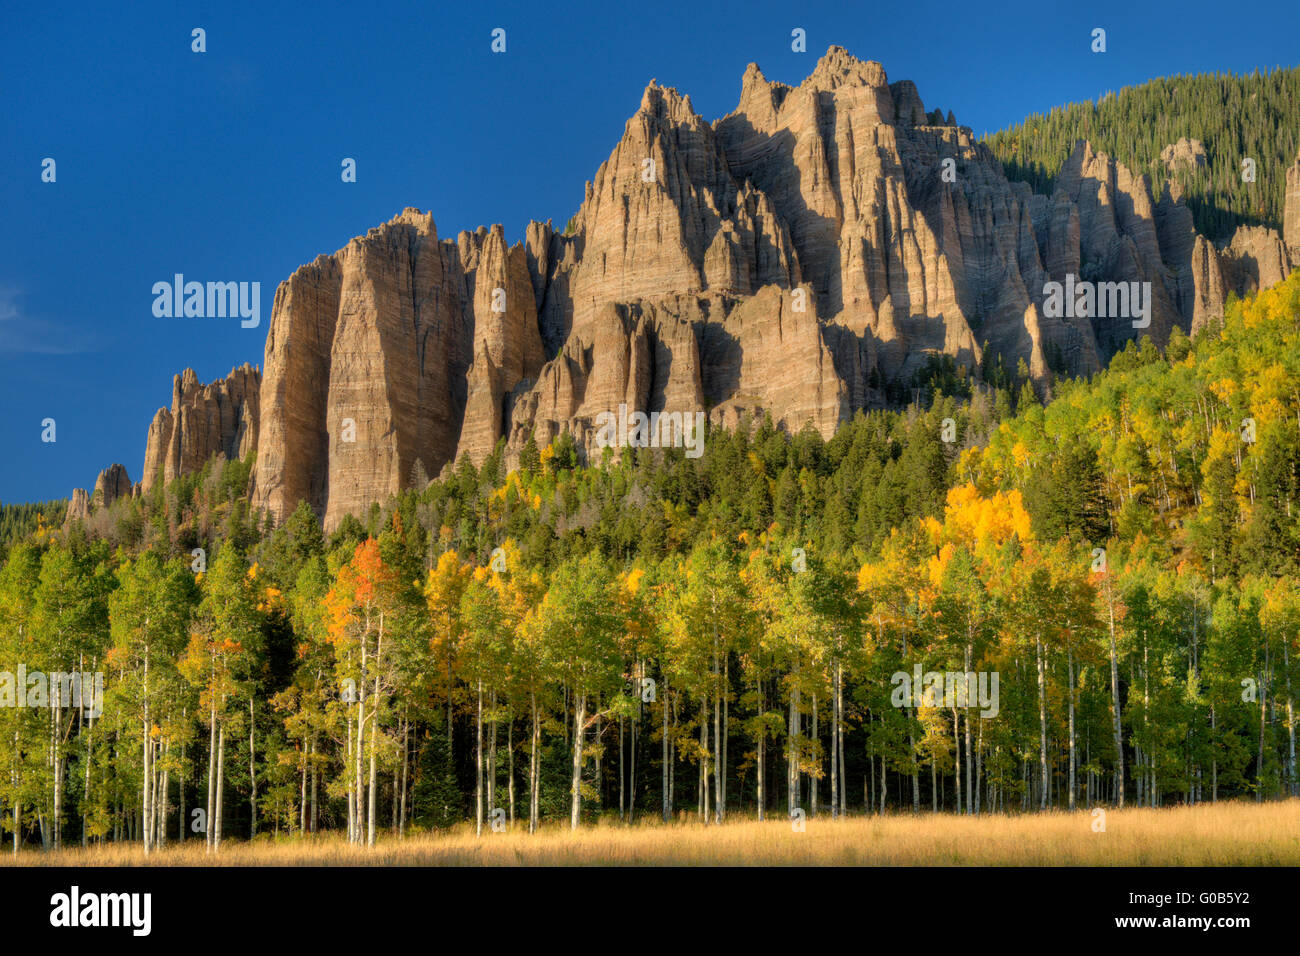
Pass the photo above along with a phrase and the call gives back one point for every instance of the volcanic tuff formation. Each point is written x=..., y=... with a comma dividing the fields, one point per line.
x=113, y=483
x=797, y=257
x=204, y=420
x=1184, y=152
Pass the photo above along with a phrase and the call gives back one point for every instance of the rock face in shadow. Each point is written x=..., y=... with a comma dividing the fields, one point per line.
x=803, y=257
x=501, y=309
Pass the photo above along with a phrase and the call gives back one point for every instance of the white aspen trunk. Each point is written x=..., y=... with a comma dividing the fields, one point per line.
x=252, y=770
x=90, y=758
x=844, y=767
x=812, y=777
x=492, y=758
x=722, y=741
x=221, y=781
x=869, y=784
x=1290, y=718
x=916, y=778
x=163, y=808
x=1042, y=721
x=532, y=768
x=510, y=766
x=597, y=754
x=478, y=763
x=374, y=739
x=911, y=743
x=58, y=763
x=315, y=781
x=839, y=738
x=358, y=784
x=1146, y=720
x=162, y=799
x=704, y=761
x=212, y=779
x=1114, y=696
x=41, y=805
x=761, y=796
x=1069, y=659
x=579, y=725
x=718, y=769
x=302, y=793
x=792, y=755
x=406, y=760
x=956, y=762
x=1214, y=763
x=665, y=794
x=146, y=748
x=672, y=765
x=1263, y=711
x=181, y=822
x=639, y=670
x=351, y=788
x=374, y=788
x=970, y=778
x=835, y=746
x=154, y=749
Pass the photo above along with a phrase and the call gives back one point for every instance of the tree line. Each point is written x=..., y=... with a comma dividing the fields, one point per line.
x=1236, y=118
x=652, y=636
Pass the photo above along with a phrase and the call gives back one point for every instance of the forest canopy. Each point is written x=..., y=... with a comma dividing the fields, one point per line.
x=656, y=635
x=1243, y=117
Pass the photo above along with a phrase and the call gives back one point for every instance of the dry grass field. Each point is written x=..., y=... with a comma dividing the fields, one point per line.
x=1241, y=834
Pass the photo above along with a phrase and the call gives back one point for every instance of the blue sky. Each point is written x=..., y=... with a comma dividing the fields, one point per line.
x=225, y=165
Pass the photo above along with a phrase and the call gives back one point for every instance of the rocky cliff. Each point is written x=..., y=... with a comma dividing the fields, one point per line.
x=1291, y=212
x=112, y=484
x=804, y=256
x=204, y=420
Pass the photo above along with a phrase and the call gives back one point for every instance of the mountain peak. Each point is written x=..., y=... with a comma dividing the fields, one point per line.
x=664, y=102
x=838, y=67
x=801, y=258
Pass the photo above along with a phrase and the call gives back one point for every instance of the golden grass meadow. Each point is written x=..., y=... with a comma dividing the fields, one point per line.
x=1225, y=834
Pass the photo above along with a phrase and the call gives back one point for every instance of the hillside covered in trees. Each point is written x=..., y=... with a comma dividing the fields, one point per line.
x=659, y=636
x=20, y=520
x=1235, y=117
